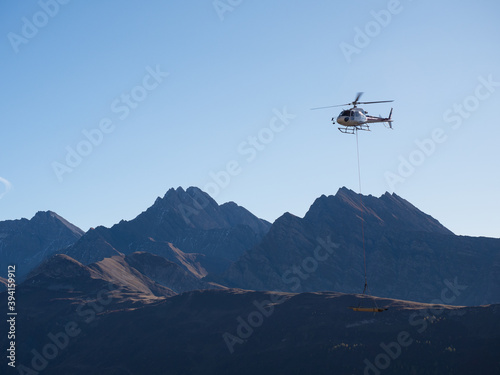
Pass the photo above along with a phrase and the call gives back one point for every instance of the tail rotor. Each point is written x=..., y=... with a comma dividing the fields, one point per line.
x=388, y=122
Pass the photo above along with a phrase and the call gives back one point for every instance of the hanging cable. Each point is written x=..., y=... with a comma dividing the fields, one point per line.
x=365, y=289
x=362, y=213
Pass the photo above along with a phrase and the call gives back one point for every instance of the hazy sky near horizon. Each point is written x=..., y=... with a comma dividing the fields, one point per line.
x=107, y=105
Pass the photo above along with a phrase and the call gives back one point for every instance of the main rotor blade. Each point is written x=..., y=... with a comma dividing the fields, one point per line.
x=331, y=106
x=357, y=97
x=380, y=101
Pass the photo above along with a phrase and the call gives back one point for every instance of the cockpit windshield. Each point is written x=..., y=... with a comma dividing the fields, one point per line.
x=345, y=113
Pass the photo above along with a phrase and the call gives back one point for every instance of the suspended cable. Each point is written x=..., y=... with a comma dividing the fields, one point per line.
x=362, y=213
x=365, y=289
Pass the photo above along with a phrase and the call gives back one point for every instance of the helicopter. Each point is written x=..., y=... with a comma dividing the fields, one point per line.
x=356, y=118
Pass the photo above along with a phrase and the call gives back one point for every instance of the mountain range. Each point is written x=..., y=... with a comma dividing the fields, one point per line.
x=189, y=221
x=201, y=244
x=409, y=255
x=191, y=286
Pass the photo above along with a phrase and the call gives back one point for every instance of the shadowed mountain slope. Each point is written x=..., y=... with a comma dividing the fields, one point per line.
x=26, y=243
x=61, y=272
x=409, y=254
x=235, y=331
x=189, y=220
x=166, y=273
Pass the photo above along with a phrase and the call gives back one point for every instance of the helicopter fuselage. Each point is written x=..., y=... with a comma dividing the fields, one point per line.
x=352, y=117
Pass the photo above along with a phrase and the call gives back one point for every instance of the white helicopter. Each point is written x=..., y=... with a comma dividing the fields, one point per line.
x=356, y=118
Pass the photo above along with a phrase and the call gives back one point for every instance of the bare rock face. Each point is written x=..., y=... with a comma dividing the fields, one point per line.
x=91, y=248
x=409, y=254
x=26, y=243
x=390, y=212
x=166, y=273
x=189, y=220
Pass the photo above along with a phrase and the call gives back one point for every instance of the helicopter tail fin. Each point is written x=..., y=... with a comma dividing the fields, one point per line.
x=389, y=119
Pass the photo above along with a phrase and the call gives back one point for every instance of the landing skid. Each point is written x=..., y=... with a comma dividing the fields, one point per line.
x=353, y=129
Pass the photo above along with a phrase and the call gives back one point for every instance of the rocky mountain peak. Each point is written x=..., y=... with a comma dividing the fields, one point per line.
x=193, y=208
x=390, y=212
x=50, y=218
x=27, y=243
x=409, y=254
x=192, y=196
x=190, y=208
x=349, y=197
x=189, y=219
x=406, y=214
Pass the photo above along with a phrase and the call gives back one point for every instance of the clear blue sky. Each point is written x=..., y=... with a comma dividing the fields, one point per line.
x=230, y=70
